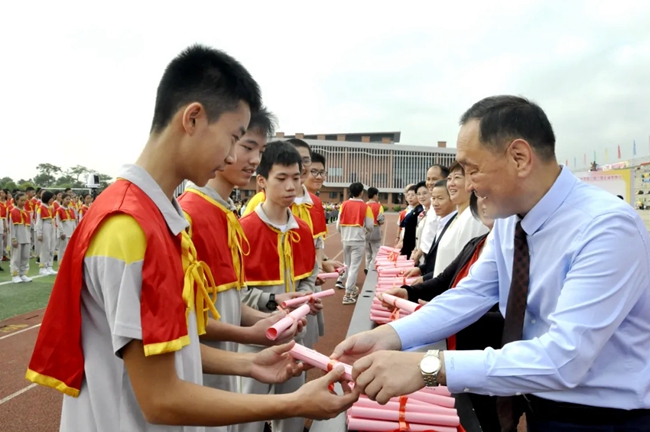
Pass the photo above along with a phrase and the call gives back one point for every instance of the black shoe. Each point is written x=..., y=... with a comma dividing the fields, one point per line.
x=1, y=269
x=365, y=271
x=38, y=260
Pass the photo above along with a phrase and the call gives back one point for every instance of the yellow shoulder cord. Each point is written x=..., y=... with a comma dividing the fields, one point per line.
x=302, y=211
x=197, y=275
x=236, y=238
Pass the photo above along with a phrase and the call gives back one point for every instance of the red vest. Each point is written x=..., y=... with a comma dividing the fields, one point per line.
x=84, y=209
x=46, y=212
x=353, y=213
x=3, y=210
x=210, y=224
x=375, y=207
x=317, y=212
x=270, y=256
x=65, y=214
x=165, y=300
x=20, y=217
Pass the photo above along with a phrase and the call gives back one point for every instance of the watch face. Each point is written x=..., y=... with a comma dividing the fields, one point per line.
x=430, y=364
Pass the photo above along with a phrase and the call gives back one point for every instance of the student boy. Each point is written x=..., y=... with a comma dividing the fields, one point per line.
x=19, y=228
x=125, y=349
x=221, y=243
x=373, y=239
x=354, y=222
x=45, y=233
x=281, y=260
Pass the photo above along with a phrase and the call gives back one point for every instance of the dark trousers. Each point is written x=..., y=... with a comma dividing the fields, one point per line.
x=550, y=416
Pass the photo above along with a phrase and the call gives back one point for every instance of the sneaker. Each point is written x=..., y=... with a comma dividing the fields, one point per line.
x=43, y=272
x=355, y=291
x=349, y=299
x=25, y=278
x=16, y=279
x=51, y=271
x=339, y=285
x=1, y=269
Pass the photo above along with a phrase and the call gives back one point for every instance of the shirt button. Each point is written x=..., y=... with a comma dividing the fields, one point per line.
x=466, y=390
x=533, y=321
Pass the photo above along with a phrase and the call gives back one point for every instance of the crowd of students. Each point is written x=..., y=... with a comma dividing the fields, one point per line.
x=38, y=223
x=158, y=316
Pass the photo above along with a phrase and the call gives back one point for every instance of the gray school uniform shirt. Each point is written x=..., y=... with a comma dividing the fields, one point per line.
x=19, y=232
x=110, y=310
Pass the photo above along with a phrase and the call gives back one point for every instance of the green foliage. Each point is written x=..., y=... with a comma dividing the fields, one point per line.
x=397, y=208
x=54, y=177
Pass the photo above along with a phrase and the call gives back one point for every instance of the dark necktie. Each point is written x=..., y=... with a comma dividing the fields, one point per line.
x=508, y=408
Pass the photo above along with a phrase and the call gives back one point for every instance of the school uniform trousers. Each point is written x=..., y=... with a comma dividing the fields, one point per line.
x=20, y=252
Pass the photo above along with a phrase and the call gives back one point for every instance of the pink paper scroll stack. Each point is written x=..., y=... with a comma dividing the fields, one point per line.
x=381, y=315
x=430, y=410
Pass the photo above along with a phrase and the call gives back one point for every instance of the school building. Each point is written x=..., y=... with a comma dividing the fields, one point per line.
x=375, y=159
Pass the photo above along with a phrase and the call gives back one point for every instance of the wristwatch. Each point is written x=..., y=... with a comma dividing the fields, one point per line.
x=430, y=366
x=272, y=304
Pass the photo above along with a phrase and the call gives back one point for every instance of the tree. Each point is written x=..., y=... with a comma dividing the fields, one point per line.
x=8, y=183
x=77, y=172
x=44, y=180
x=48, y=169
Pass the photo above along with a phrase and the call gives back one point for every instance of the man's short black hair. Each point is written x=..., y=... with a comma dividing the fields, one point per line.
x=317, y=158
x=207, y=76
x=506, y=118
x=47, y=195
x=66, y=190
x=420, y=185
x=356, y=189
x=372, y=192
x=18, y=194
x=263, y=121
x=297, y=142
x=441, y=183
x=444, y=171
x=278, y=153
x=29, y=188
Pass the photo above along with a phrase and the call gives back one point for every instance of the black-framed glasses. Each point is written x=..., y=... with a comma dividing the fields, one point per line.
x=316, y=173
x=306, y=161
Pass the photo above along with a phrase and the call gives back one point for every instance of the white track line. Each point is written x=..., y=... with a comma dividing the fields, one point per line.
x=31, y=277
x=18, y=393
x=19, y=331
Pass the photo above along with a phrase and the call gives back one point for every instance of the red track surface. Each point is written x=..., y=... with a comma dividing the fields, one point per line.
x=38, y=409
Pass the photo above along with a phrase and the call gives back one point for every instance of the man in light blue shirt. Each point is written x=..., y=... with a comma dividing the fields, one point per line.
x=584, y=356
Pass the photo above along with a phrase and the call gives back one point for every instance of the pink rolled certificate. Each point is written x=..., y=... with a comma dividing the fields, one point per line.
x=400, y=303
x=280, y=326
x=318, y=360
x=434, y=399
x=367, y=425
x=324, y=276
x=410, y=417
x=307, y=298
x=395, y=271
x=411, y=406
x=388, y=249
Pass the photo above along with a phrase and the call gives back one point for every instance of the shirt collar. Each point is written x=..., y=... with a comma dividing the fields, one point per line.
x=306, y=198
x=550, y=202
x=291, y=223
x=170, y=210
x=230, y=205
x=444, y=220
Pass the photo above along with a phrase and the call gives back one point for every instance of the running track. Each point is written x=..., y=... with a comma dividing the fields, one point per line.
x=26, y=407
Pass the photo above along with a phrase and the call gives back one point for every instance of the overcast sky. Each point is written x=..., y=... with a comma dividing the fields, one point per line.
x=78, y=81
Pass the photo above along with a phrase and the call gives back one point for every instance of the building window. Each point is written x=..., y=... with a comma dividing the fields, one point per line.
x=353, y=177
x=335, y=172
x=379, y=179
x=383, y=197
x=334, y=195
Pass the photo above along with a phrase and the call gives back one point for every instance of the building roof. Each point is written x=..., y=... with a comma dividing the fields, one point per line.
x=354, y=136
x=378, y=146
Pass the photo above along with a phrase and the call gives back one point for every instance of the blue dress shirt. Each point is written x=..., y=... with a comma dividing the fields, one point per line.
x=586, y=336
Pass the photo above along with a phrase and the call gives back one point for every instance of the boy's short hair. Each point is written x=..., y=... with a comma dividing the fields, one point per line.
x=356, y=189
x=18, y=195
x=372, y=192
x=207, y=76
x=297, y=142
x=29, y=188
x=64, y=196
x=263, y=121
x=278, y=153
x=47, y=195
x=317, y=158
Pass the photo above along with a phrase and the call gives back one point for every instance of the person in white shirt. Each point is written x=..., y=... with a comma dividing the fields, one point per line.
x=435, y=173
x=424, y=197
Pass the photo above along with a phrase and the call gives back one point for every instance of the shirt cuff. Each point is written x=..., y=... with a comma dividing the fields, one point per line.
x=465, y=371
x=407, y=333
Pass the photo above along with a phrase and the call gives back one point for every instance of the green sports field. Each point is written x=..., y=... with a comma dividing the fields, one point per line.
x=16, y=299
